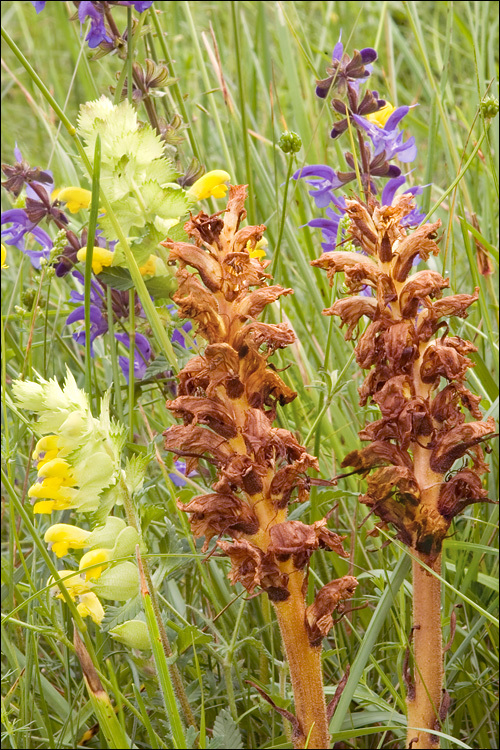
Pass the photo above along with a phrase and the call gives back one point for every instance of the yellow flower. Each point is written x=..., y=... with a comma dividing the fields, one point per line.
x=74, y=197
x=259, y=250
x=62, y=536
x=4, y=256
x=46, y=445
x=100, y=257
x=91, y=606
x=149, y=267
x=91, y=558
x=380, y=118
x=210, y=185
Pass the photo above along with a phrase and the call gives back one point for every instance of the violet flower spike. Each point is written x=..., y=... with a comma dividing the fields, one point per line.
x=324, y=179
x=388, y=139
x=142, y=355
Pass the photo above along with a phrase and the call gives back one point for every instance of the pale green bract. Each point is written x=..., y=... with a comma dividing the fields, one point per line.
x=136, y=176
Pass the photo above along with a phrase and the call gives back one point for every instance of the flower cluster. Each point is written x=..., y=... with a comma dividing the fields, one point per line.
x=78, y=457
x=369, y=117
x=227, y=398
x=423, y=428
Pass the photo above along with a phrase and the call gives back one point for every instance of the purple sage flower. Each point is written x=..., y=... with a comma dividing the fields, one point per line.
x=323, y=179
x=142, y=355
x=20, y=228
x=389, y=139
x=97, y=32
x=38, y=6
x=98, y=317
x=344, y=70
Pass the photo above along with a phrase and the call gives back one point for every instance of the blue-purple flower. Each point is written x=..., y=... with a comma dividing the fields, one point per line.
x=142, y=355
x=98, y=317
x=389, y=140
x=22, y=228
x=345, y=70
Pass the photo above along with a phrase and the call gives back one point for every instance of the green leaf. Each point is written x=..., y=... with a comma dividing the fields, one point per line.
x=226, y=732
x=161, y=287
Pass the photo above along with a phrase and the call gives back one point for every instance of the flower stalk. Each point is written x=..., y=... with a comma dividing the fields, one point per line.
x=227, y=399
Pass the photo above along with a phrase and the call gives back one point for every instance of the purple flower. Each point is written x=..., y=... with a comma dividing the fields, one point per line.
x=326, y=181
x=177, y=480
x=98, y=318
x=142, y=355
x=20, y=227
x=178, y=336
x=345, y=71
x=97, y=32
x=38, y=6
x=388, y=139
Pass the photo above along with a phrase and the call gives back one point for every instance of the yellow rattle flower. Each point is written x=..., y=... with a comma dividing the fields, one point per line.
x=210, y=185
x=380, y=118
x=100, y=258
x=74, y=197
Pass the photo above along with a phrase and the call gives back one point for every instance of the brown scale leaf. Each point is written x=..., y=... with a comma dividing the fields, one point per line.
x=205, y=263
x=299, y=540
x=416, y=291
x=401, y=346
x=455, y=443
x=319, y=619
x=215, y=514
x=198, y=304
x=369, y=350
x=194, y=441
x=252, y=304
x=445, y=407
x=275, y=335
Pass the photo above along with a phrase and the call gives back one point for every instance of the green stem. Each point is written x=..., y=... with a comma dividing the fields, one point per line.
x=283, y=216
x=131, y=365
x=94, y=208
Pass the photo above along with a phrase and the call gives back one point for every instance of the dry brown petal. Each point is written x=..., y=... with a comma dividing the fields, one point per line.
x=445, y=406
x=319, y=619
x=276, y=336
x=369, y=350
x=401, y=346
x=455, y=443
x=196, y=303
x=253, y=303
x=250, y=234
x=252, y=568
x=422, y=285
x=293, y=538
x=240, y=471
x=235, y=212
x=263, y=387
x=456, y=305
x=204, y=228
x=194, y=441
x=420, y=243
x=394, y=480
x=444, y=358
x=377, y=454
x=213, y=413
x=287, y=478
x=206, y=264
x=393, y=396
x=373, y=382
x=351, y=309
x=215, y=514
x=460, y=491
x=362, y=226
x=341, y=261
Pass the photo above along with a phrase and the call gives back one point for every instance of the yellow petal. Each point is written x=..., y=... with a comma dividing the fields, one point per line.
x=91, y=558
x=50, y=490
x=4, y=256
x=58, y=467
x=100, y=257
x=74, y=197
x=49, y=456
x=63, y=536
x=259, y=250
x=91, y=606
x=211, y=184
x=74, y=583
x=149, y=267
x=47, y=443
x=380, y=118
x=44, y=506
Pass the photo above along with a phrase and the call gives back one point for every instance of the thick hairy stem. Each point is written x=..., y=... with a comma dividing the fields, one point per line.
x=305, y=668
x=424, y=701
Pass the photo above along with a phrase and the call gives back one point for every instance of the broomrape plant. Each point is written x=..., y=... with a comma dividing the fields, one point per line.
x=417, y=369
x=227, y=398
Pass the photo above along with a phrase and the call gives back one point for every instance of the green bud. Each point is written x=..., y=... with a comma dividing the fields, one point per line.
x=290, y=142
x=28, y=298
x=489, y=107
x=120, y=582
x=125, y=543
x=133, y=634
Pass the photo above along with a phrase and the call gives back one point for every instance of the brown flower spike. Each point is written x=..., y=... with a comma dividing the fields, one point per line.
x=227, y=399
x=422, y=430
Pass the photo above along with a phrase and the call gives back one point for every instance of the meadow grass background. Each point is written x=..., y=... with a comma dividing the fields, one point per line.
x=438, y=55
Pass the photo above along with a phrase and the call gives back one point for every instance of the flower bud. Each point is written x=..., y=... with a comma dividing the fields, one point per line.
x=290, y=142
x=133, y=634
x=489, y=107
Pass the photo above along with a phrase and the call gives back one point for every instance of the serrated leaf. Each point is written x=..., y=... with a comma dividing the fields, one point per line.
x=226, y=732
x=157, y=367
x=190, y=635
x=117, y=278
x=161, y=287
